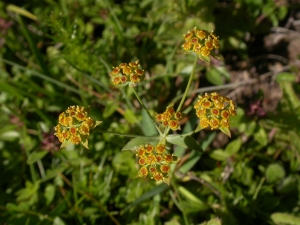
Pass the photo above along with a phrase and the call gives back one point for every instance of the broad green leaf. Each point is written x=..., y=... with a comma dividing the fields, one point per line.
x=28, y=192
x=58, y=221
x=185, y=141
x=214, y=76
x=288, y=184
x=237, y=43
x=275, y=173
x=148, y=127
x=261, y=136
x=155, y=191
x=130, y=116
x=35, y=156
x=49, y=193
x=9, y=135
x=233, y=147
x=135, y=142
x=285, y=219
x=219, y=155
x=10, y=207
x=250, y=129
x=110, y=108
x=222, y=70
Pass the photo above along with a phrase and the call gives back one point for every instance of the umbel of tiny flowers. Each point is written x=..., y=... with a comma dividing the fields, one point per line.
x=124, y=74
x=201, y=42
x=155, y=161
x=214, y=111
x=169, y=118
x=74, y=126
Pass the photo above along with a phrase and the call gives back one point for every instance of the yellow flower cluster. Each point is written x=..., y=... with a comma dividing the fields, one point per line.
x=200, y=41
x=127, y=74
x=74, y=126
x=169, y=118
x=155, y=160
x=214, y=111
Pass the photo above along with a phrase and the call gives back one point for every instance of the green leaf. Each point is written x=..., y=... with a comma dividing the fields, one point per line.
x=97, y=122
x=155, y=191
x=219, y=155
x=133, y=143
x=110, y=108
x=214, y=76
x=226, y=131
x=261, y=136
x=9, y=135
x=204, y=58
x=185, y=141
x=58, y=221
x=49, y=193
x=233, y=147
x=275, y=173
x=85, y=142
x=65, y=144
x=288, y=185
x=285, y=219
x=148, y=127
x=190, y=197
x=21, y=11
x=130, y=116
x=35, y=156
x=250, y=129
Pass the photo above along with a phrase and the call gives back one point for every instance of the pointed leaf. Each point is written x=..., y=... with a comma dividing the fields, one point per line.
x=233, y=147
x=185, y=141
x=214, y=76
x=35, y=156
x=226, y=131
x=97, y=122
x=204, y=58
x=49, y=193
x=147, y=124
x=133, y=143
x=85, y=142
x=21, y=11
x=110, y=108
x=155, y=191
x=58, y=221
x=219, y=155
x=285, y=218
x=65, y=144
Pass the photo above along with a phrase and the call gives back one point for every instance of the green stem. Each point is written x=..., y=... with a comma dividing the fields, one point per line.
x=185, y=92
x=174, y=185
x=188, y=85
x=119, y=134
x=143, y=105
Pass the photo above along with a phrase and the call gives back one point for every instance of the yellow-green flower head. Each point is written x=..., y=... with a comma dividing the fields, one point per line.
x=155, y=161
x=214, y=111
x=74, y=126
x=169, y=118
x=124, y=74
x=201, y=42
